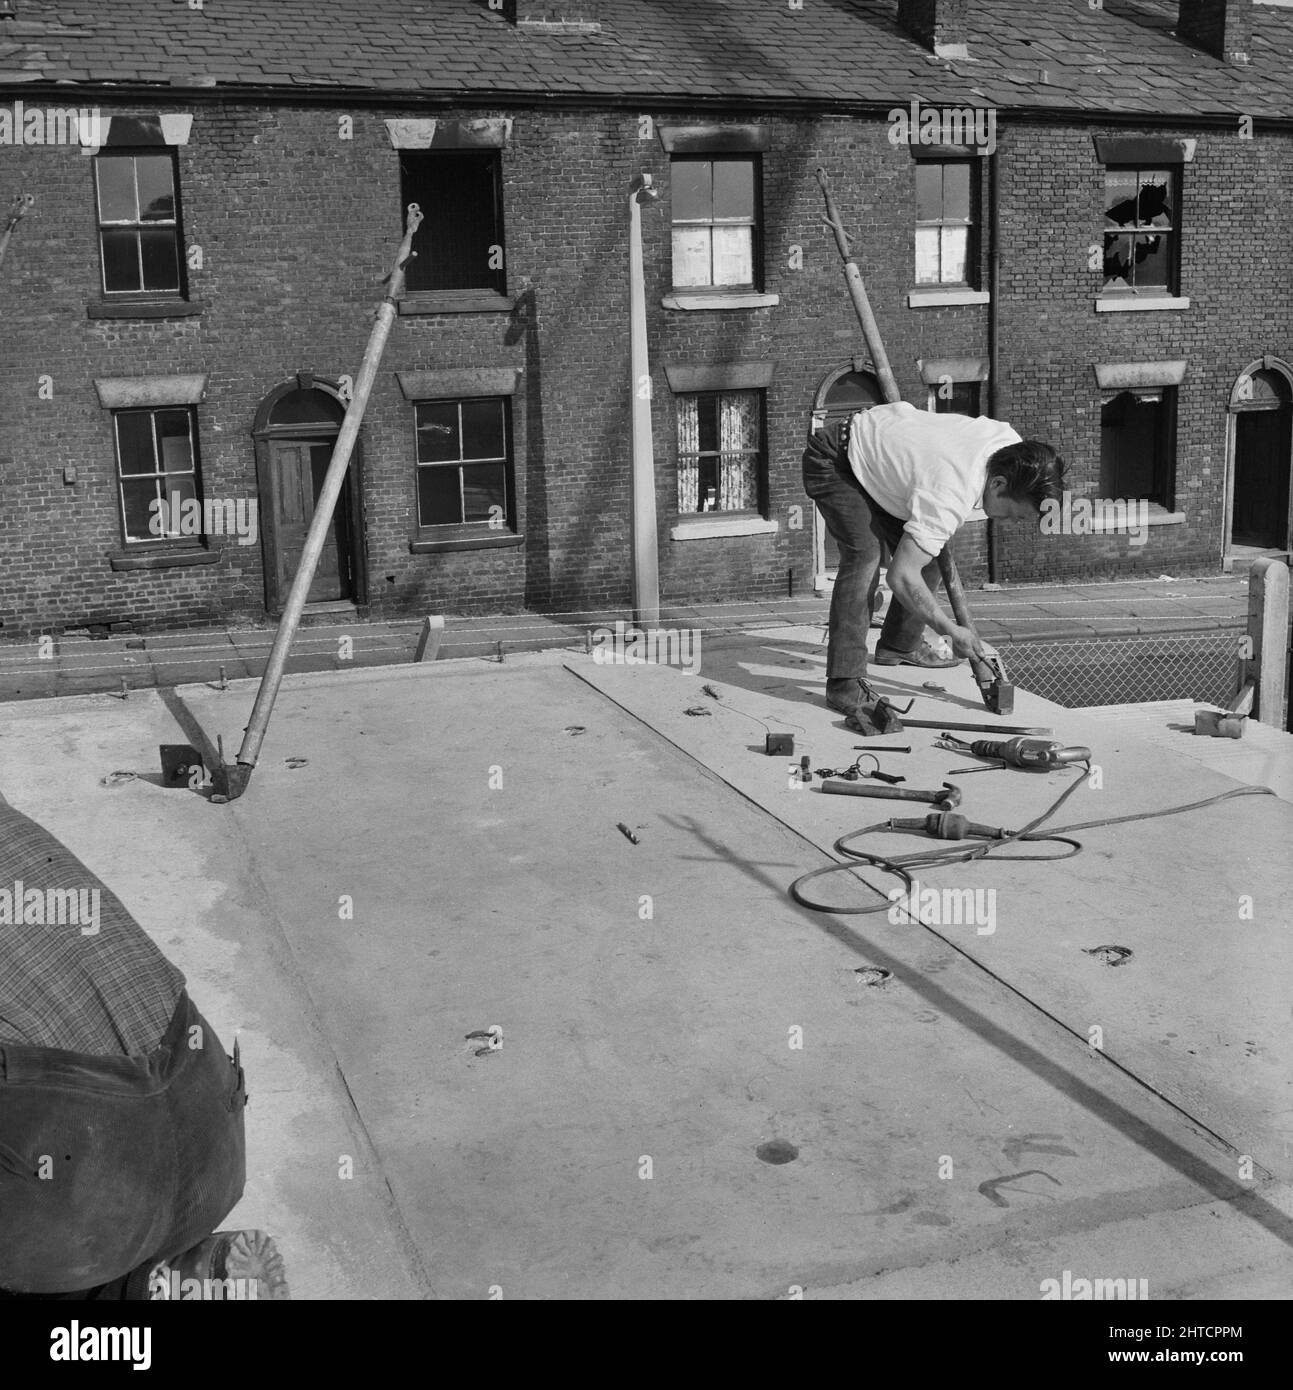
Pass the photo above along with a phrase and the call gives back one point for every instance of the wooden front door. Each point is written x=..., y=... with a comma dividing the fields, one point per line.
x=1263, y=443
x=297, y=469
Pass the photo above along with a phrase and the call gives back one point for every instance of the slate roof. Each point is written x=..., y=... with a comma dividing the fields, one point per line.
x=1120, y=59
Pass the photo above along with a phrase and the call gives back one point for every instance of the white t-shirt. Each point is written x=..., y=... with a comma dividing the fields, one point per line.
x=926, y=469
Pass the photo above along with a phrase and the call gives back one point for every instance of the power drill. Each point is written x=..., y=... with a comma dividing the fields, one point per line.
x=1032, y=754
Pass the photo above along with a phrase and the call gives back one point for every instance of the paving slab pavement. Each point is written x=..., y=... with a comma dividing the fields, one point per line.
x=652, y=997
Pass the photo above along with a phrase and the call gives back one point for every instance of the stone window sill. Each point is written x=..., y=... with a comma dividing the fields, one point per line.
x=429, y=542
x=1157, y=516
x=144, y=308
x=935, y=296
x=456, y=302
x=696, y=529
x=713, y=299
x=1133, y=303
x=1107, y=523
x=139, y=559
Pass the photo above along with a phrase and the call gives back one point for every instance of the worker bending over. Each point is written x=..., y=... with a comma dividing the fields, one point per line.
x=903, y=481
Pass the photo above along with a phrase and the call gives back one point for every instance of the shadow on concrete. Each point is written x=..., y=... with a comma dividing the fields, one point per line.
x=1196, y=1170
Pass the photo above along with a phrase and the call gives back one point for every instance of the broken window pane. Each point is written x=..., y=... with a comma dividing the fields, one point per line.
x=1153, y=261
x=1131, y=442
x=1155, y=209
x=459, y=243
x=1118, y=260
x=1120, y=191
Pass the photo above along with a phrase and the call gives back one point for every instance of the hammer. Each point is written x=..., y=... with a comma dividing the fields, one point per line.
x=944, y=797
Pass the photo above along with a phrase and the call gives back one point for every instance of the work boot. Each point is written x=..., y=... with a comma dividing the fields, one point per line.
x=864, y=709
x=227, y=1265
x=874, y=718
x=923, y=655
x=846, y=694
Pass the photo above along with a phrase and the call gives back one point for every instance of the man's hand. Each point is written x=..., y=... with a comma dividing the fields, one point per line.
x=966, y=643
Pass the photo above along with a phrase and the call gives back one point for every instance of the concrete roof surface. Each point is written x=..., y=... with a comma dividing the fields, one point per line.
x=515, y=900
x=1122, y=58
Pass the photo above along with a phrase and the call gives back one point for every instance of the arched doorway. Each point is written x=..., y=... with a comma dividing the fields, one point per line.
x=1260, y=459
x=295, y=431
x=853, y=386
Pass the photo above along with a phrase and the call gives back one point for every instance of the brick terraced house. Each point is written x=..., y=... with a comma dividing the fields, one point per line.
x=1074, y=216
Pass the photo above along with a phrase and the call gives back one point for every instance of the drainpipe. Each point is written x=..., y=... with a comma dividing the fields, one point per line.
x=994, y=288
x=646, y=562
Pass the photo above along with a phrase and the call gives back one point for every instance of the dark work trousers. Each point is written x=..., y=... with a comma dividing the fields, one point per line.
x=866, y=536
x=108, y=1163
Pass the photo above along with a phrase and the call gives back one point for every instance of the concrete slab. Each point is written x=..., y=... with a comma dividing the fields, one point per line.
x=670, y=1037
x=448, y=859
x=1202, y=1004
x=186, y=873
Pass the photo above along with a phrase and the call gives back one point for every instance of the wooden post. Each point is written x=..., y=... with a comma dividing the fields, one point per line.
x=1268, y=637
x=234, y=781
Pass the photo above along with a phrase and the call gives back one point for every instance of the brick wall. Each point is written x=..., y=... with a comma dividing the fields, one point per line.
x=297, y=226
x=1236, y=271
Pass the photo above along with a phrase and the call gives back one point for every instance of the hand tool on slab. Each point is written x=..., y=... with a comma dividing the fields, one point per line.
x=1041, y=730
x=990, y=675
x=1032, y=754
x=950, y=825
x=1229, y=722
x=945, y=796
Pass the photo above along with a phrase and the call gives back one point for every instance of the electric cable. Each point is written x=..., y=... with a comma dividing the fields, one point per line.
x=964, y=854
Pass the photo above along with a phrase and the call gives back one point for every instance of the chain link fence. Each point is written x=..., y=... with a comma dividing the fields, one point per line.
x=1128, y=670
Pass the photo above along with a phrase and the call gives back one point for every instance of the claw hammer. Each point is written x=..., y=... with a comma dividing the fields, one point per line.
x=990, y=676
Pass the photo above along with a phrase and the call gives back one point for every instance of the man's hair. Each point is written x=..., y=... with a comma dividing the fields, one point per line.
x=1033, y=471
